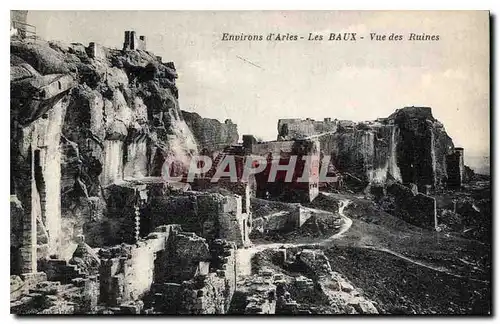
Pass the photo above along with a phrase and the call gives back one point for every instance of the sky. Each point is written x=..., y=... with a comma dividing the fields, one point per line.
x=361, y=80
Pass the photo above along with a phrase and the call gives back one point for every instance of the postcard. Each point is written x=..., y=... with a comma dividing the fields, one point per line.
x=250, y=162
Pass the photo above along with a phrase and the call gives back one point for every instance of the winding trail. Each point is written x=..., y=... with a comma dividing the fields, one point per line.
x=244, y=256
x=347, y=221
x=418, y=263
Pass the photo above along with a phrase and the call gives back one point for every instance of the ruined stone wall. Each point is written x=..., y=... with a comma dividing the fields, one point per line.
x=211, y=293
x=272, y=147
x=277, y=216
x=279, y=221
x=274, y=215
x=210, y=215
x=281, y=152
x=169, y=259
x=118, y=225
x=127, y=272
x=134, y=42
x=210, y=134
x=455, y=168
x=257, y=294
x=204, y=297
x=300, y=128
x=239, y=188
x=188, y=255
x=409, y=146
x=53, y=298
x=128, y=212
x=232, y=224
x=169, y=272
x=96, y=51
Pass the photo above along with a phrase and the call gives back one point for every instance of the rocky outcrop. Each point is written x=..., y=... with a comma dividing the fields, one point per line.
x=308, y=286
x=83, y=118
x=422, y=146
x=407, y=203
x=409, y=146
x=339, y=291
x=211, y=134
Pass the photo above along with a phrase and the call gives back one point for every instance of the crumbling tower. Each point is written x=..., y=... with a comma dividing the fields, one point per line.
x=131, y=42
x=142, y=42
x=455, y=167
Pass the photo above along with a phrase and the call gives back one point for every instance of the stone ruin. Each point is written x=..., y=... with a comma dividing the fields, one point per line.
x=92, y=219
x=405, y=158
x=409, y=146
x=147, y=277
x=272, y=291
x=132, y=42
x=95, y=229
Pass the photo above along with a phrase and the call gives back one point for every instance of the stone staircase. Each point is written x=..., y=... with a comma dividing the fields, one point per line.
x=53, y=297
x=229, y=150
x=61, y=270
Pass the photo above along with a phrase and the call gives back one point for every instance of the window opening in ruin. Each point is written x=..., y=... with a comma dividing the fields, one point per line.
x=158, y=162
x=40, y=183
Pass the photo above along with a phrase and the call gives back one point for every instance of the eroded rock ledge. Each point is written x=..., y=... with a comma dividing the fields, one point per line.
x=87, y=117
x=409, y=146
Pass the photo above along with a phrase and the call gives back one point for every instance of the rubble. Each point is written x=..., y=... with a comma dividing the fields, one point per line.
x=410, y=205
x=98, y=228
x=339, y=292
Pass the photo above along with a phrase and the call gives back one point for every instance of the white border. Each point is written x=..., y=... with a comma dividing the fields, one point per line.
x=492, y=5
x=255, y=5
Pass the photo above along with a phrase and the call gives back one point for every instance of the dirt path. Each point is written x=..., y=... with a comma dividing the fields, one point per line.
x=418, y=263
x=346, y=225
x=244, y=256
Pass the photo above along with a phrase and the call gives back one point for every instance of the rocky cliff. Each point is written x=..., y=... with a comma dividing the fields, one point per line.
x=409, y=146
x=82, y=118
x=210, y=134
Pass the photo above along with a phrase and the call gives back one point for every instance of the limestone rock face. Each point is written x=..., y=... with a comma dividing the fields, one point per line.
x=365, y=151
x=422, y=146
x=83, y=118
x=211, y=134
x=409, y=146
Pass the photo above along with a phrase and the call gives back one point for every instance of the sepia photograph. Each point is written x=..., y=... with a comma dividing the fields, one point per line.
x=250, y=162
